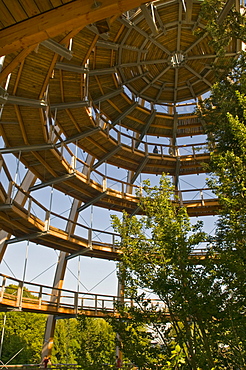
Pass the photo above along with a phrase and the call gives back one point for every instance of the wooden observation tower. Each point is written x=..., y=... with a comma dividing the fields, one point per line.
x=96, y=96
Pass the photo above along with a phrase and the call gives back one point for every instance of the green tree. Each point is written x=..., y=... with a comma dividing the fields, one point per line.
x=225, y=115
x=23, y=332
x=137, y=339
x=230, y=29
x=157, y=256
x=66, y=342
x=97, y=343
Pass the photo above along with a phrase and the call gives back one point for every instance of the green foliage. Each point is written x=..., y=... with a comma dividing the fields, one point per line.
x=13, y=290
x=85, y=341
x=157, y=256
x=66, y=342
x=233, y=26
x=23, y=331
x=225, y=114
x=135, y=340
x=97, y=343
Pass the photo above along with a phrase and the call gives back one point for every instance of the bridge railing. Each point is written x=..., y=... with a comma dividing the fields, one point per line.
x=36, y=297
x=42, y=297
x=40, y=366
x=102, y=366
x=92, y=235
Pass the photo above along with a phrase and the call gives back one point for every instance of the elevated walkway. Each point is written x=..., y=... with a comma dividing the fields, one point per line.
x=37, y=298
x=55, y=164
x=23, y=223
x=59, y=302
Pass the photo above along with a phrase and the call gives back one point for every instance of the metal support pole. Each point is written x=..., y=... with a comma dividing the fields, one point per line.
x=16, y=174
x=2, y=335
x=120, y=295
x=24, y=275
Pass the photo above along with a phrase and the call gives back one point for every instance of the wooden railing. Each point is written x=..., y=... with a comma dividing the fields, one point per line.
x=40, y=366
x=45, y=299
x=36, y=297
x=93, y=235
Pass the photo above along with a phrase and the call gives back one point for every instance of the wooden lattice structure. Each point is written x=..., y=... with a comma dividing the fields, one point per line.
x=112, y=80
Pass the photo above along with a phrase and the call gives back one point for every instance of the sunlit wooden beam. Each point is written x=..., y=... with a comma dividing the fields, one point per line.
x=224, y=12
x=65, y=18
x=149, y=17
x=139, y=169
x=106, y=157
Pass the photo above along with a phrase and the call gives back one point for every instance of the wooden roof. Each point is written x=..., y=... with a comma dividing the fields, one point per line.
x=85, y=72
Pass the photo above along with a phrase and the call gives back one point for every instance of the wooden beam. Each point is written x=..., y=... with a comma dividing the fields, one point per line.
x=43, y=124
x=15, y=62
x=73, y=119
x=146, y=127
x=106, y=157
x=188, y=14
x=139, y=169
x=21, y=123
x=18, y=76
x=74, y=15
x=149, y=17
x=45, y=164
x=225, y=11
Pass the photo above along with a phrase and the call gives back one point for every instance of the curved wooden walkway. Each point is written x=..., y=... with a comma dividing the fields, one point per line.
x=24, y=225
x=56, y=163
x=21, y=220
x=59, y=302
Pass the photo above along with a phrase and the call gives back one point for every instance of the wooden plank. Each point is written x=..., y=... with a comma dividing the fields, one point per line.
x=6, y=17
x=15, y=62
x=44, y=5
x=73, y=15
x=16, y=10
x=56, y=3
x=30, y=7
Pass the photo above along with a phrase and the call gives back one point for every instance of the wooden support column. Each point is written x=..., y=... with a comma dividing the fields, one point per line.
x=20, y=198
x=58, y=284
x=4, y=236
x=60, y=273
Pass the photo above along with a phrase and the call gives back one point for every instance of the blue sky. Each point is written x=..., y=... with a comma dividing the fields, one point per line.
x=98, y=276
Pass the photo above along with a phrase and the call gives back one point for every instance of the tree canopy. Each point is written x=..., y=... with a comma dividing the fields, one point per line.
x=23, y=332
x=225, y=115
x=205, y=304
x=194, y=318
x=88, y=342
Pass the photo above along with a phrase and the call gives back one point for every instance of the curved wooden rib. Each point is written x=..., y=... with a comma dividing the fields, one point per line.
x=19, y=221
x=65, y=18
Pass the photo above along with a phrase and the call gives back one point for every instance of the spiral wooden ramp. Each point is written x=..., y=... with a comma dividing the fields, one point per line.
x=88, y=89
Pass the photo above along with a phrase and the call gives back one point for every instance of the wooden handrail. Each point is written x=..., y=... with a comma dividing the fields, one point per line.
x=65, y=301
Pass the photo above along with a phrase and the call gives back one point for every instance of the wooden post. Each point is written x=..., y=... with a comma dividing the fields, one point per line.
x=3, y=288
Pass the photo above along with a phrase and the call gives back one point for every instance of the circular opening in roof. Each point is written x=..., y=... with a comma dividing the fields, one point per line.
x=177, y=59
